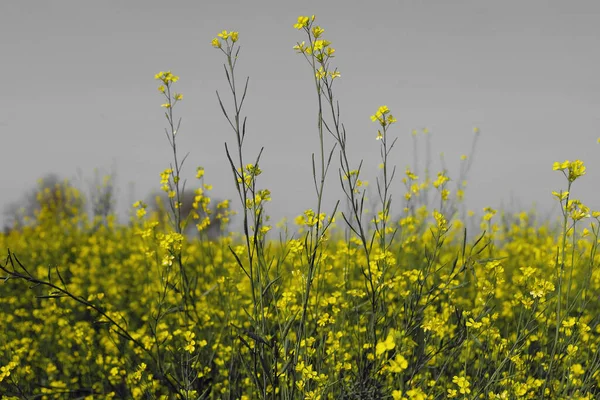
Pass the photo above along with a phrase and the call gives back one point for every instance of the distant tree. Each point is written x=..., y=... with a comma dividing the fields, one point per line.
x=214, y=224
x=51, y=198
x=102, y=195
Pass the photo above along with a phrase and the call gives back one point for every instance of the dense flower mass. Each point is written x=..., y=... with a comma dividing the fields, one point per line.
x=487, y=319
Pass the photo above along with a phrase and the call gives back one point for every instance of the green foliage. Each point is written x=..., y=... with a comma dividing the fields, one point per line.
x=345, y=305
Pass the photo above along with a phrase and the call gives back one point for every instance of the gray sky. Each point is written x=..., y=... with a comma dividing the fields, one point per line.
x=78, y=91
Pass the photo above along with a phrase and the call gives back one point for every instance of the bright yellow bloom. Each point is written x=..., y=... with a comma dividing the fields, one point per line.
x=575, y=168
x=577, y=209
x=397, y=395
x=463, y=384
x=572, y=349
x=561, y=196
x=178, y=96
x=387, y=345
x=473, y=324
x=234, y=36
x=577, y=369
x=321, y=73
x=398, y=364
x=141, y=212
x=441, y=180
x=300, y=47
x=320, y=45
x=216, y=43
x=166, y=77
x=302, y=22
x=558, y=166
x=383, y=116
x=317, y=31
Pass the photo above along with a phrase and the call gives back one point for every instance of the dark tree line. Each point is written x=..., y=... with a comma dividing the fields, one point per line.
x=58, y=198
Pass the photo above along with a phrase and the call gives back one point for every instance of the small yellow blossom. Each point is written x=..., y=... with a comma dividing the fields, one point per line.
x=387, y=345
x=317, y=31
x=463, y=384
x=302, y=22
x=473, y=324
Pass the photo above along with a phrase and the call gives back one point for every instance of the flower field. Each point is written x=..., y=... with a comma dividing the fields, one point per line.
x=391, y=293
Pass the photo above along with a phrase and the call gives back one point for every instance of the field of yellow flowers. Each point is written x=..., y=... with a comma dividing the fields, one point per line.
x=350, y=303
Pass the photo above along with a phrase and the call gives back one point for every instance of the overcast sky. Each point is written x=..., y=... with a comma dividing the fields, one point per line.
x=78, y=91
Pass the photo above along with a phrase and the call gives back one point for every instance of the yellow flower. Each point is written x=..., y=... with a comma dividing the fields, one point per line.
x=398, y=364
x=383, y=116
x=577, y=369
x=321, y=73
x=141, y=212
x=386, y=345
x=166, y=105
x=317, y=31
x=463, y=384
x=216, y=43
x=561, y=196
x=558, y=166
x=178, y=96
x=320, y=45
x=576, y=169
x=224, y=35
x=335, y=74
x=473, y=324
x=161, y=89
x=302, y=22
x=189, y=347
x=300, y=47
x=166, y=77
x=234, y=36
